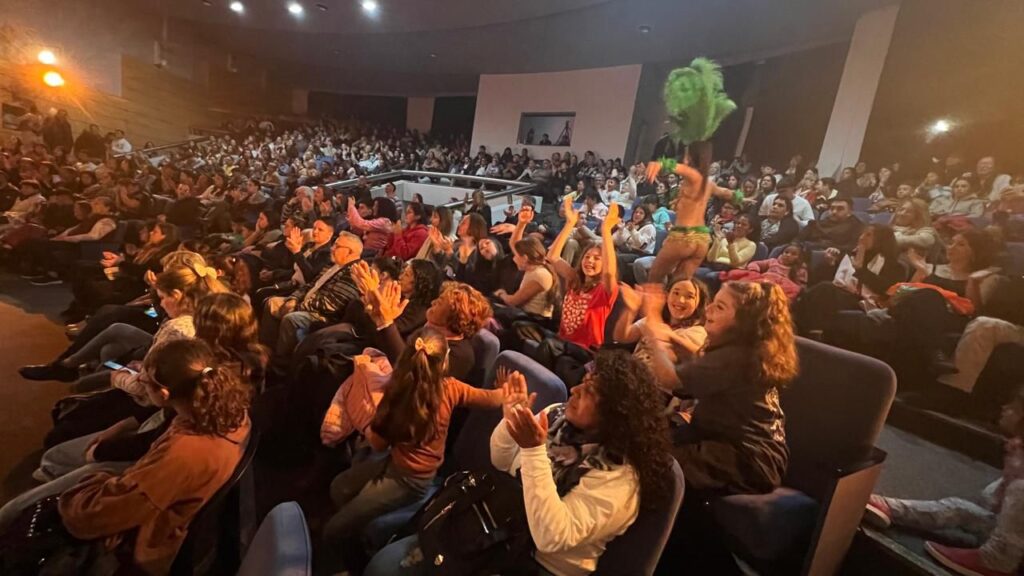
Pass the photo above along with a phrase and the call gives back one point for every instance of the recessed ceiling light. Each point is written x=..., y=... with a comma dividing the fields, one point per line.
x=322, y=7
x=295, y=8
x=370, y=5
x=237, y=6
x=433, y=55
x=644, y=29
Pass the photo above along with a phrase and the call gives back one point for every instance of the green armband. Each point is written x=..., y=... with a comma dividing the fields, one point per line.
x=737, y=196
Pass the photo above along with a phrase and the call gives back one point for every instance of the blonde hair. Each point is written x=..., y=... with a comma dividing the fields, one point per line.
x=194, y=282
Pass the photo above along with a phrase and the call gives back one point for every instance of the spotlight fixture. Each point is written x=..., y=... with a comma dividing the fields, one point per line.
x=53, y=79
x=295, y=8
x=46, y=56
x=941, y=126
x=370, y=6
x=237, y=6
x=644, y=29
x=321, y=7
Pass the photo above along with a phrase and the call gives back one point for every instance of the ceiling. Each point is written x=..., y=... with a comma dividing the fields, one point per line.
x=425, y=47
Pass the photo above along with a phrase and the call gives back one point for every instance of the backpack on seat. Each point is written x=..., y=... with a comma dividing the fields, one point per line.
x=476, y=525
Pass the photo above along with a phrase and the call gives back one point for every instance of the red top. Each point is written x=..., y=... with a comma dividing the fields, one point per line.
x=407, y=244
x=584, y=315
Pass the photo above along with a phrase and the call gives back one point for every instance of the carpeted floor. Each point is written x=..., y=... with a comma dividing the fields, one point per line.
x=30, y=332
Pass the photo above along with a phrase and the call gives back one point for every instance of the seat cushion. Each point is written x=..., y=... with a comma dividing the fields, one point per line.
x=766, y=526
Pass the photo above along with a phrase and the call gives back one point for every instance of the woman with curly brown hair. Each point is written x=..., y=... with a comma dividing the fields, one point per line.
x=143, y=512
x=587, y=466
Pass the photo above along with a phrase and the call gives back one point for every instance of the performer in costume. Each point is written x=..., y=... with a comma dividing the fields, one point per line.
x=696, y=106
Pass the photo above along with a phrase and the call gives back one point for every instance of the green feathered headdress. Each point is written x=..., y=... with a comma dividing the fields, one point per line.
x=696, y=101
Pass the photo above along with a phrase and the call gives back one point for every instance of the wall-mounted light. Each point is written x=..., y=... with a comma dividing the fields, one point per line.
x=53, y=79
x=295, y=8
x=370, y=6
x=46, y=56
x=237, y=6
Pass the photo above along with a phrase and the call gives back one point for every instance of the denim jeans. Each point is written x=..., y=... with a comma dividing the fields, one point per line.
x=368, y=489
x=114, y=343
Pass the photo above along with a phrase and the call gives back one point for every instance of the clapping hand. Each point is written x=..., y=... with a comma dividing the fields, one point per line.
x=390, y=304
x=833, y=255
x=503, y=228
x=366, y=278
x=612, y=220
x=631, y=299
x=916, y=259
x=528, y=431
x=294, y=241
x=572, y=215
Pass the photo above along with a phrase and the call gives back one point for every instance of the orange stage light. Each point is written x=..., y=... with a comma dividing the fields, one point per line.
x=53, y=79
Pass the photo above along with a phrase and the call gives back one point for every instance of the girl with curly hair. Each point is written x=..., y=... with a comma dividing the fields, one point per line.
x=587, y=466
x=144, y=510
x=412, y=421
x=735, y=441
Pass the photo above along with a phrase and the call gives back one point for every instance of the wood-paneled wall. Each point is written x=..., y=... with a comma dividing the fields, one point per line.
x=155, y=105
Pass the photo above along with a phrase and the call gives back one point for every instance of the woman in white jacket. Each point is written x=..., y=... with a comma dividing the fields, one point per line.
x=587, y=466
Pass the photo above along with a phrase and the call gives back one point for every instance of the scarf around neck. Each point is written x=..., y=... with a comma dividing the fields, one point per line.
x=573, y=452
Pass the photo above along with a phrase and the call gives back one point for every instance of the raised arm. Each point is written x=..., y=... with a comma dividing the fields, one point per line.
x=572, y=216
x=625, y=331
x=610, y=270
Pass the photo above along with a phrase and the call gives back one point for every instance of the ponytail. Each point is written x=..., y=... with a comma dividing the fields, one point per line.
x=409, y=410
x=219, y=401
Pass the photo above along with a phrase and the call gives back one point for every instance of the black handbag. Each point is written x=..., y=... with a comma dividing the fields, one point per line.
x=476, y=525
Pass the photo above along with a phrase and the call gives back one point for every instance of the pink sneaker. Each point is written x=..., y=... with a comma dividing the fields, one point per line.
x=965, y=561
x=877, y=513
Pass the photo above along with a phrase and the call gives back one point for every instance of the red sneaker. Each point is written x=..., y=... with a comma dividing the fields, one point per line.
x=965, y=561
x=877, y=513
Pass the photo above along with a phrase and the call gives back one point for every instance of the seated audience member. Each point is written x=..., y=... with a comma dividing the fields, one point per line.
x=593, y=211
x=589, y=294
x=735, y=440
x=861, y=281
x=224, y=322
x=963, y=202
x=29, y=202
x=479, y=206
x=980, y=338
x=912, y=225
x=121, y=277
x=574, y=506
x=489, y=269
x=143, y=513
x=990, y=181
x=411, y=422
x=730, y=248
x=408, y=238
x=992, y=525
x=801, y=209
x=839, y=228
x=635, y=238
x=440, y=236
x=471, y=231
x=891, y=203
x=287, y=320
x=48, y=260
x=924, y=316
x=788, y=271
x=778, y=226
x=931, y=187
x=374, y=221
x=539, y=288
x=458, y=312
x=267, y=230
x=293, y=262
x=684, y=315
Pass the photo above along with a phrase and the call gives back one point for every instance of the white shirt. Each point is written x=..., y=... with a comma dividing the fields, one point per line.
x=802, y=210
x=121, y=146
x=642, y=238
x=570, y=532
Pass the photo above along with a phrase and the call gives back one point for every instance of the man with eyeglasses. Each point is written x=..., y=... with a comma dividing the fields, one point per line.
x=314, y=305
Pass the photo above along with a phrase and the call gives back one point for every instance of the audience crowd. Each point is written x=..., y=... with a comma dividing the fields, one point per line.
x=216, y=278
